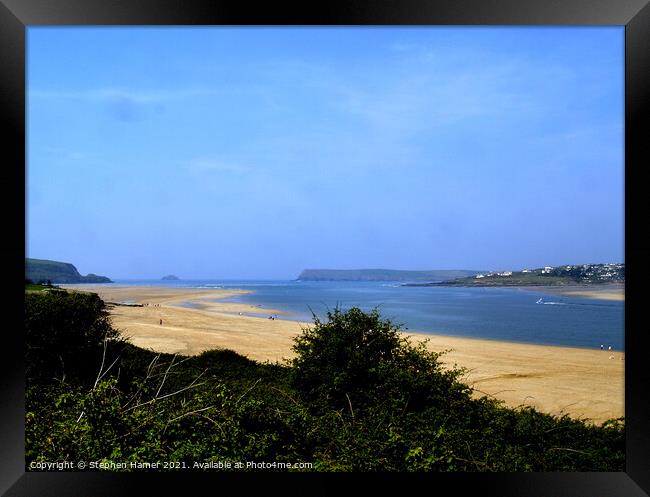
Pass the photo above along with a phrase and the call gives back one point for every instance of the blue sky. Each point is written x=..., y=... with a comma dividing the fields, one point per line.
x=257, y=152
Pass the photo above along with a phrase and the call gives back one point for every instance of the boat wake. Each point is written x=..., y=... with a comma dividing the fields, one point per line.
x=541, y=301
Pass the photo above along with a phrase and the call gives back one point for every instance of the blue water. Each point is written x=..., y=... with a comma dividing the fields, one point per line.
x=510, y=314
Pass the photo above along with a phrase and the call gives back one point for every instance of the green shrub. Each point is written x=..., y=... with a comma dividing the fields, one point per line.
x=357, y=360
x=64, y=335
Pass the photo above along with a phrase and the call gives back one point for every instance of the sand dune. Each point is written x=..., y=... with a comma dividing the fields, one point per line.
x=579, y=382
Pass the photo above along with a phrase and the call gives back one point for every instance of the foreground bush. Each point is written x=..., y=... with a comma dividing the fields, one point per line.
x=65, y=333
x=389, y=405
x=358, y=359
x=357, y=397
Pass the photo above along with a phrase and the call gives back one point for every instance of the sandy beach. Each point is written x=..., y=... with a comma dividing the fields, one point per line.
x=600, y=292
x=580, y=382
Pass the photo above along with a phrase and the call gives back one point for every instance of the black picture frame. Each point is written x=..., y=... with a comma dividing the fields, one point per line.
x=17, y=15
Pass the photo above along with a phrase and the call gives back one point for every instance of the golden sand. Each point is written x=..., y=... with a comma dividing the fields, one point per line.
x=580, y=382
x=596, y=294
x=601, y=292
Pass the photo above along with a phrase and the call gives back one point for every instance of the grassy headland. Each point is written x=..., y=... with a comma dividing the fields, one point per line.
x=585, y=274
x=43, y=270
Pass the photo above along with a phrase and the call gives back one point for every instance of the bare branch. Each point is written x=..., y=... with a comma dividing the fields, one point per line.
x=215, y=422
x=288, y=396
x=190, y=413
x=242, y=396
x=350, y=404
x=191, y=385
x=101, y=368
x=153, y=361
x=149, y=371
x=570, y=450
x=109, y=367
x=165, y=376
x=476, y=463
x=62, y=369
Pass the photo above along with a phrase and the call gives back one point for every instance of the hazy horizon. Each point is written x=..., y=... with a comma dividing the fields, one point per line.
x=255, y=153
x=290, y=277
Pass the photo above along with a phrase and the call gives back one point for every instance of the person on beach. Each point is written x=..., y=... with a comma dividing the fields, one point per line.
x=602, y=347
x=161, y=322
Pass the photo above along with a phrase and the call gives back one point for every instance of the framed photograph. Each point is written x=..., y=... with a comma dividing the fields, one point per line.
x=264, y=243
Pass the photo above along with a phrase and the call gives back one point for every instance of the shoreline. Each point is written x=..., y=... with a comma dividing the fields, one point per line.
x=581, y=382
x=209, y=301
x=606, y=291
x=615, y=292
x=555, y=379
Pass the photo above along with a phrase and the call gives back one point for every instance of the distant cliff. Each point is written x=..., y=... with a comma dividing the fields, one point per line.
x=41, y=270
x=170, y=277
x=383, y=275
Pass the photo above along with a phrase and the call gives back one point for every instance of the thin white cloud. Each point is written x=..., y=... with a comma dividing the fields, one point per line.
x=113, y=94
x=427, y=90
x=206, y=165
x=401, y=47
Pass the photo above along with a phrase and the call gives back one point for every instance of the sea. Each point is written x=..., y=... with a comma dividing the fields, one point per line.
x=510, y=314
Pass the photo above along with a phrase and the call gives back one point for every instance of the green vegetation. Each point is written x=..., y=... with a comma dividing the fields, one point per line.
x=34, y=287
x=382, y=275
x=65, y=333
x=357, y=397
x=42, y=270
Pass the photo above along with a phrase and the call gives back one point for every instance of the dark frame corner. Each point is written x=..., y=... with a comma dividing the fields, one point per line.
x=17, y=15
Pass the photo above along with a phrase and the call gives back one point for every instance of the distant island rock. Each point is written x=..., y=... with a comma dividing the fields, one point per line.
x=170, y=277
x=43, y=270
x=383, y=275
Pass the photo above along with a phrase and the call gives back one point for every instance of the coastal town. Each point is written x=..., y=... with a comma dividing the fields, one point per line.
x=584, y=273
x=565, y=275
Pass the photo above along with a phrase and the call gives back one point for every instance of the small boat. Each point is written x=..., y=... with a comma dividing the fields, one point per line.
x=539, y=301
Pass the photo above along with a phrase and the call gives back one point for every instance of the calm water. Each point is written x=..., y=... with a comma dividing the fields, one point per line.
x=494, y=313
